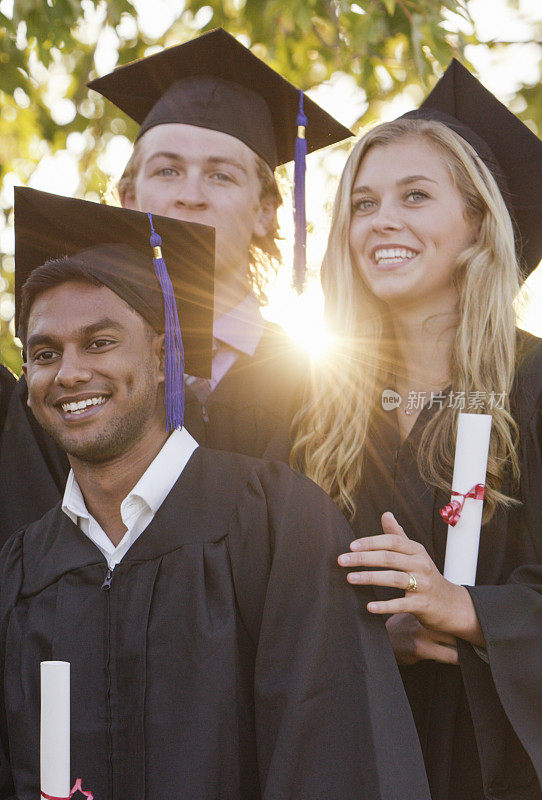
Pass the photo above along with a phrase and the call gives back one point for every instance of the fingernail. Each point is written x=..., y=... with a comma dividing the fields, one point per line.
x=372, y=607
x=344, y=560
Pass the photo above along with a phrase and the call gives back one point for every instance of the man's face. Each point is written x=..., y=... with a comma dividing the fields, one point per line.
x=199, y=175
x=93, y=366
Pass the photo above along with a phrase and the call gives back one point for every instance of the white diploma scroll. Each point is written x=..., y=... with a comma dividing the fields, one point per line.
x=55, y=728
x=470, y=467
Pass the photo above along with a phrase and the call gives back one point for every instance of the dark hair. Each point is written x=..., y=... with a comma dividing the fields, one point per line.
x=53, y=273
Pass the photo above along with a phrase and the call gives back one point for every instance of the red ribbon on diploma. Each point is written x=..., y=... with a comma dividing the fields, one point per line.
x=452, y=512
x=77, y=788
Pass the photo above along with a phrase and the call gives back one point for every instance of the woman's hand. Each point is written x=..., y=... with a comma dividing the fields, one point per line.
x=411, y=642
x=438, y=604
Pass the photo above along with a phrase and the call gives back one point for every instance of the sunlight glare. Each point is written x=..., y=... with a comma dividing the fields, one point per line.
x=302, y=317
x=527, y=303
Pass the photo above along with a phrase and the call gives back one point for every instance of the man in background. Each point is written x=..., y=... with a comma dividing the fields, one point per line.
x=215, y=123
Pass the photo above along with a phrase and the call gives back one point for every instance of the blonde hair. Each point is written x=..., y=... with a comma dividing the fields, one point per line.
x=264, y=255
x=331, y=429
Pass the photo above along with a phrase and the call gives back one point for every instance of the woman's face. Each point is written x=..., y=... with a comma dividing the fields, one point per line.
x=408, y=225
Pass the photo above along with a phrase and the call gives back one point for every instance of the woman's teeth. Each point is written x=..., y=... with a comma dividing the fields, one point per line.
x=393, y=254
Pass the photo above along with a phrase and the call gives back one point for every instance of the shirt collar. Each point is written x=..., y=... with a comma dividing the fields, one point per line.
x=73, y=502
x=154, y=485
x=241, y=327
x=157, y=481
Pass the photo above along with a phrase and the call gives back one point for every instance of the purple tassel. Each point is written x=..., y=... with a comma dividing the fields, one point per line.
x=300, y=219
x=174, y=361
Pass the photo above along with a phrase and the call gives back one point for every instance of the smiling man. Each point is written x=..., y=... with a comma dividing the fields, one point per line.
x=168, y=576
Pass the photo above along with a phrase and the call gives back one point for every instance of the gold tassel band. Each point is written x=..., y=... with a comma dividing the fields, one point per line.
x=300, y=131
x=157, y=252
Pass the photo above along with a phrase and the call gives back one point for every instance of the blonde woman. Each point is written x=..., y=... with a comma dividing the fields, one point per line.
x=420, y=275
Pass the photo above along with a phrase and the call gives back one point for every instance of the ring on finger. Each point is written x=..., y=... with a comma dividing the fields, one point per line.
x=412, y=583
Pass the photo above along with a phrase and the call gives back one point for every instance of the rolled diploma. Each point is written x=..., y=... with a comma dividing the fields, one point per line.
x=470, y=467
x=55, y=728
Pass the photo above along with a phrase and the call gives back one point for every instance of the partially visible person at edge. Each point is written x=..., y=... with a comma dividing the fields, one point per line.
x=199, y=669
x=420, y=275
x=7, y=384
x=215, y=122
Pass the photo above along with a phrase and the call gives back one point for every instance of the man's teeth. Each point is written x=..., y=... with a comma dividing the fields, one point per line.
x=81, y=405
x=390, y=254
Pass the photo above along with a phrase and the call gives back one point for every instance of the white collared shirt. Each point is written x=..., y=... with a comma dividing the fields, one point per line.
x=139, y=507
x=241, y=327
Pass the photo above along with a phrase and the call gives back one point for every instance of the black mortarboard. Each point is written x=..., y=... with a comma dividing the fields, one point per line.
x=115, y=245
x=510, y=150
x=215, y=82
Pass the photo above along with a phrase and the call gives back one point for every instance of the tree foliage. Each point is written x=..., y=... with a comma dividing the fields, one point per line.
x=47, y=54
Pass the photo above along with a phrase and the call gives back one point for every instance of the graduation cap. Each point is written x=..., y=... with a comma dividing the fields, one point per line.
x=215, y=82
x=128, y=252
x=509, y=149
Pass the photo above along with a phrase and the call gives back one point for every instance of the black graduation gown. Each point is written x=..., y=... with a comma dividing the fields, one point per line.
x=226, y=659
x=7, y=383
x=255, y=398
x=252, y=400
x=480, y=725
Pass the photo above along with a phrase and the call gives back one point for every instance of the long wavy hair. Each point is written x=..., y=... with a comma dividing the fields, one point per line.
x=331, y=428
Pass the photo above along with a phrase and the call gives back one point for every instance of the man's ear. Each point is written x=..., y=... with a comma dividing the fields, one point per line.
x=265, y=218
x=159, y=351
x=128, y=198
x=25, y=373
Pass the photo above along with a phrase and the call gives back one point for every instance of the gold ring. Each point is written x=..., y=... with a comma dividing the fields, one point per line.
x=412, y=583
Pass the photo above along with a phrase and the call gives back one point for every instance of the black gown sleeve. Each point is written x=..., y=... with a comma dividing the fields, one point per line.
x=332, y=719
x=33, y=469
x=505, y=695
x=11, y=573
